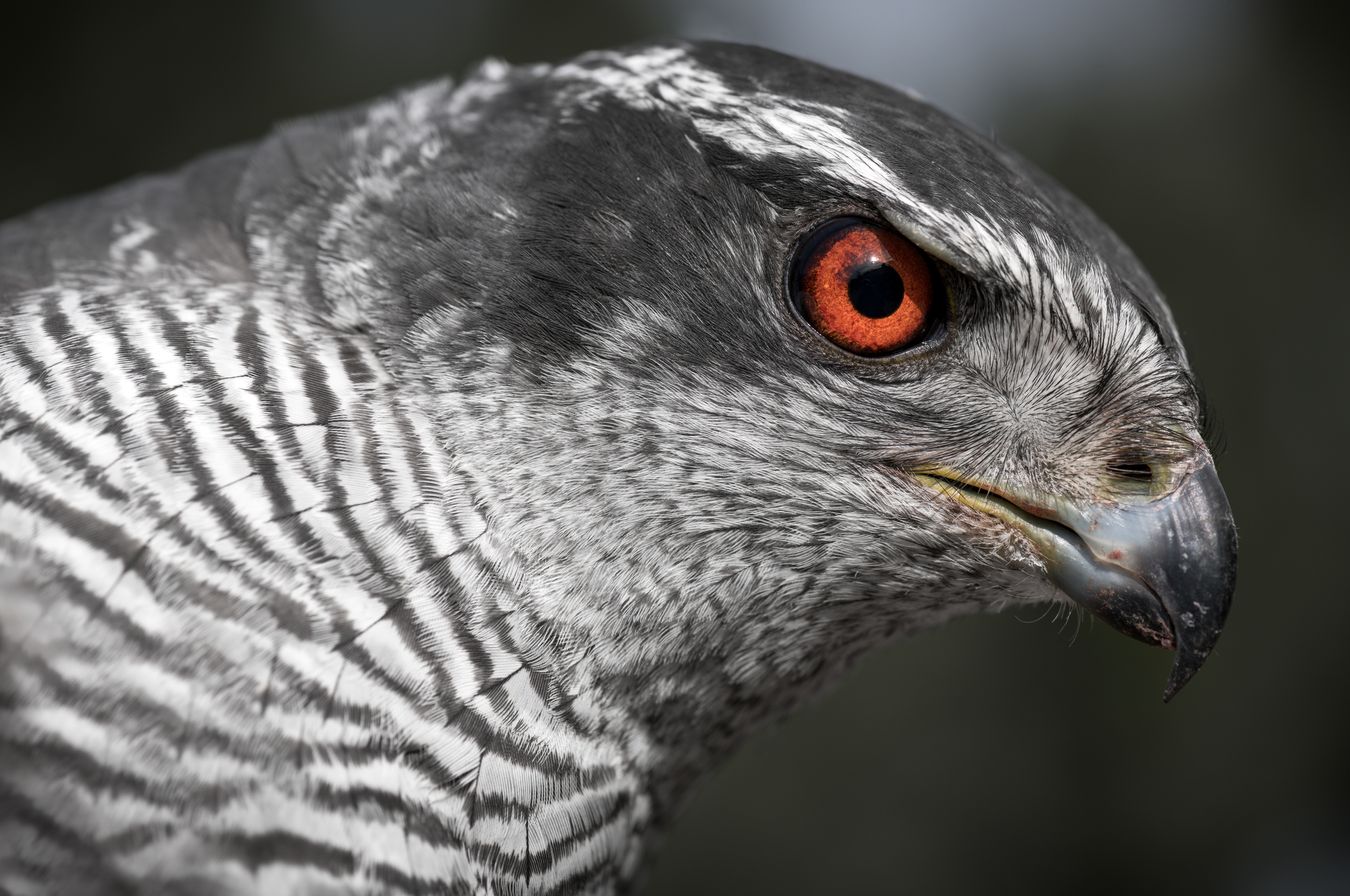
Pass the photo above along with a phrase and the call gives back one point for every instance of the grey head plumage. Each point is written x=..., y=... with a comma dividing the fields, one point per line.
x=421, y=498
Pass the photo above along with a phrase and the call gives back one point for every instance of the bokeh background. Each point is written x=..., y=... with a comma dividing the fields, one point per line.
x=1000, y=754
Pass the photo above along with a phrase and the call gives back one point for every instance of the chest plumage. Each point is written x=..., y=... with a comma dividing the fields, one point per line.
x=420, y=498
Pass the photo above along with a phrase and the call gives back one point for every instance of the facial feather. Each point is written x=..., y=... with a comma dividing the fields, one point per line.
x=463, y=467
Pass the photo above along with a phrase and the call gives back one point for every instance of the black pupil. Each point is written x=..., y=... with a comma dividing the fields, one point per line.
x=876, y=291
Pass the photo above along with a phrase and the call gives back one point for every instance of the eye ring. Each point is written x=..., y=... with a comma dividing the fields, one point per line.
x=865, y=287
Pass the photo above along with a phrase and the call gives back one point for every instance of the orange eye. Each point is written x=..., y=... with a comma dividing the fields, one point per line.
x=864, y=287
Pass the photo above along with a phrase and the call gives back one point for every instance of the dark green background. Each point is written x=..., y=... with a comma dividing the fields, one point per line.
x=998, y=754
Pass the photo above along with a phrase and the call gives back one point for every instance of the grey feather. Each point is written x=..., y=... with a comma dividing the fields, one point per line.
x=421, y=498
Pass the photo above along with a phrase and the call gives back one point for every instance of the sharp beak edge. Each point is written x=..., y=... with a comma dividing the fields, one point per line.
x=1162, y=571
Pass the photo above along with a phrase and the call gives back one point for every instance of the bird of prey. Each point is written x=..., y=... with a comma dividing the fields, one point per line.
x=419, y=499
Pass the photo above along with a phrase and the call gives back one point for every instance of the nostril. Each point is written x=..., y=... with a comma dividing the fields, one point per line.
x=1132, y=470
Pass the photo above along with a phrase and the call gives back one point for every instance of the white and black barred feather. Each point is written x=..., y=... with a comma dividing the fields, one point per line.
x=417, y=500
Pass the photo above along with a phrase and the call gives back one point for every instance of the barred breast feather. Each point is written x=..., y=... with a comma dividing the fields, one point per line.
x=420, y=499
x=255, y=632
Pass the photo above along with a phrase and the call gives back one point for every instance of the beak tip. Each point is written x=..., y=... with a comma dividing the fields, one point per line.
x=1188, y=564
x=1187, y=663
x=1175, y=682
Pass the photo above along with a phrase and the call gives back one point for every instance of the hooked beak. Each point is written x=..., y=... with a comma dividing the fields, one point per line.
x=1160, y=570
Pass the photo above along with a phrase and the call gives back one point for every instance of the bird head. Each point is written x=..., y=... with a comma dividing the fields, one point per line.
x=752, y=364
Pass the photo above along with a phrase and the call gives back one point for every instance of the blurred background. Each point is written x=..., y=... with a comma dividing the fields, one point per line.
x=1000, y=754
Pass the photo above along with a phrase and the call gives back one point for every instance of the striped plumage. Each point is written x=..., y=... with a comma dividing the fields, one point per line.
x=373, y=518
x=204, y=487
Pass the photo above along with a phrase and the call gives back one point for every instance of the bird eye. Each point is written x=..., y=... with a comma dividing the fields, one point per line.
x=864, y=287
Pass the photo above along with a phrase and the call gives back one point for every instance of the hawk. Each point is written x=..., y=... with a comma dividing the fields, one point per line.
x=421, y=498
